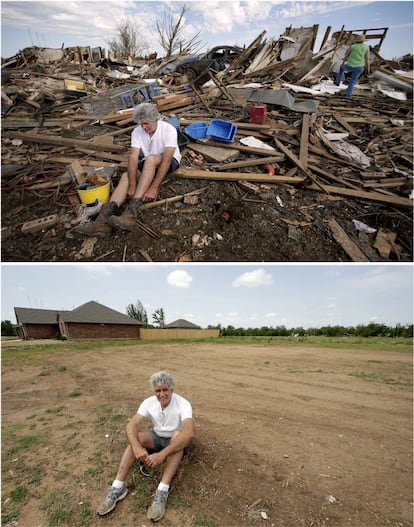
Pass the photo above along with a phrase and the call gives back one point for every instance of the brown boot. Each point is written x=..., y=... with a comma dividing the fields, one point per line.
x=100, y=227
x=127, y=219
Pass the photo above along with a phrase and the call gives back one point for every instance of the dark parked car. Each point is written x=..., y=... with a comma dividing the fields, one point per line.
x=217, y=59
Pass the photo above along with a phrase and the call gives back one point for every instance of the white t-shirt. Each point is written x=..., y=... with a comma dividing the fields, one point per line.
x=164, y=136
x=170, y=419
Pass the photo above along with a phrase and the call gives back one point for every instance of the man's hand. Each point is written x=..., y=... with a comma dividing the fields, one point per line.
x=151, y=194
x=131, y=189
x=155, y=459
x=141, y=454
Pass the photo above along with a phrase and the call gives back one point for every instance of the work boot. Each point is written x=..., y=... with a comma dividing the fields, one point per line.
x=100, y=227
x=127, y=219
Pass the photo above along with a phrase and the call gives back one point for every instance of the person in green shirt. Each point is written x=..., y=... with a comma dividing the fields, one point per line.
x=355, y=62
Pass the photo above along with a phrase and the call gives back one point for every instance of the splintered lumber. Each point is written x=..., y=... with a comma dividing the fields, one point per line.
x=216, y=154
x=341, y=237
x=250, y=162
x=304, y=140
x=192, y=173
x=64, y=141
x=372, y=196
x=160, y=202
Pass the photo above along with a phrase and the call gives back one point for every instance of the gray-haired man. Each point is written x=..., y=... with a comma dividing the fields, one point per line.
x=154, y=154
x=173, y=429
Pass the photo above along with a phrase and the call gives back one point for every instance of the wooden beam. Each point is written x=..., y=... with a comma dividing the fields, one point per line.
x=361, y=194
x=191, y=173
x=249, y=162
x=63, y=141
x=341, y=237
x=304, y=140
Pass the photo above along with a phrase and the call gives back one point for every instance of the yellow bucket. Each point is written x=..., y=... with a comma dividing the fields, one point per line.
x=91, y=194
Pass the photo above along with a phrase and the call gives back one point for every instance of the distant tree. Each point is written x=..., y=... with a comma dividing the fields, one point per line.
x=138, y=312
x=159, y=317
x=169, y=33
x=7, y=329
x=127, y=40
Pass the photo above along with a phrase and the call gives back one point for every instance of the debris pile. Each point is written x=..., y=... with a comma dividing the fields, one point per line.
x=293, y=172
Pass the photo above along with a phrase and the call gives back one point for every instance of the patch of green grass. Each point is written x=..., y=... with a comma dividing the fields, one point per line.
x=19, y=494
x=55, y=410
x=75, y=393
x=26, y=442
x=373, y=377
x=201, y=521
x=9, y=517
x=63, y=509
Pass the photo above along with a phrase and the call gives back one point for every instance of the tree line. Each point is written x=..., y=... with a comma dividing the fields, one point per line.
x=362, y=330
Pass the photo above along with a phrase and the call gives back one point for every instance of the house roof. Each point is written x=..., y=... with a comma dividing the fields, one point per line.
x=90, y=312
x=28, y=315
x=93, y=312
x=183, y=324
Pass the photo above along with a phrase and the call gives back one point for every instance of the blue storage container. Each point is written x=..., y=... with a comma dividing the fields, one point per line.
x=222, y=130
x=196, y=130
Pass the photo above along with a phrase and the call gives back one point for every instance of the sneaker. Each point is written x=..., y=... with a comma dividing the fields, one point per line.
x=113, y=496
x=144, y=469
x=87, y=211
x=157, y=509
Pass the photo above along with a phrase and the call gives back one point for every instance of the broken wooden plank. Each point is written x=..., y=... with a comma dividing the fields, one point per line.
x=192, y=173
x=63, y=141
x=165, y=201
x=371, y=196
x=216, y=154
x=250, y=162
x=304, y=140
x=341, y=237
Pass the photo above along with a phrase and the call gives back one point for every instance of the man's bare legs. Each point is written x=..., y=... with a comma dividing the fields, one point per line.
x=128, y=459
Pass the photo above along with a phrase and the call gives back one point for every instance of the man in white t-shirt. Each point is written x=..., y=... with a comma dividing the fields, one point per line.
x=173, y=429
x=154, y=154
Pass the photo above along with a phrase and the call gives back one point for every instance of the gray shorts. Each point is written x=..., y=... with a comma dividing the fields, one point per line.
x=159, y=442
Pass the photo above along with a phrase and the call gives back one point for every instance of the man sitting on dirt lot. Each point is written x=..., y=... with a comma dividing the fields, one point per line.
x=154, y=154
x=173, y=429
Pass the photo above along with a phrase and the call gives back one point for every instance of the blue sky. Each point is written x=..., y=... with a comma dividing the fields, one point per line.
x=92, y=23
x=241, y=295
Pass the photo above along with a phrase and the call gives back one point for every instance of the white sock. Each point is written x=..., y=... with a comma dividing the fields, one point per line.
x=118, y=484
x=164, y=487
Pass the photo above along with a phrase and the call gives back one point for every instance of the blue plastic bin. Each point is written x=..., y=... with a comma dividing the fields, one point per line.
x=222, y=130
x=196, y=130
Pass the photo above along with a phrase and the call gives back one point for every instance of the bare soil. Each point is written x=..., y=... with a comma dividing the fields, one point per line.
x=303, y=436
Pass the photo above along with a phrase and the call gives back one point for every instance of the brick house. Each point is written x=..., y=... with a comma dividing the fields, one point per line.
x=88, y=321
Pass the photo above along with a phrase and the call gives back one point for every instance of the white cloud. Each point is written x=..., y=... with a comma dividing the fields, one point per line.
x=270, y=315
x=97, y=272
x=180, y=279
x=383, y=278
x=253, y=279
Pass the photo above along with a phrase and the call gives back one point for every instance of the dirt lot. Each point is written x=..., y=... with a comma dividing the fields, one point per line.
x=305, y=436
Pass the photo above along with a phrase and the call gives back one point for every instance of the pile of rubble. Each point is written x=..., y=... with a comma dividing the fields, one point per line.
x=317, y=178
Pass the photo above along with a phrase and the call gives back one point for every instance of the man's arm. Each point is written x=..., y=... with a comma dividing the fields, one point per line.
x=132, y=435
x=160, y=174
x=178, y=442
x=132, y=171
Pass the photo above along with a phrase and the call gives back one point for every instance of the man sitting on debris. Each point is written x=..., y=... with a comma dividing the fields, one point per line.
x=355, y=61
x=173, y=429
x=154, y=154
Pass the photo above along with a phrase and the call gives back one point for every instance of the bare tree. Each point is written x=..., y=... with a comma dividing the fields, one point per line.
x=169, y=34
x=138, y=312
x=126, y=41
x=159, y=317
